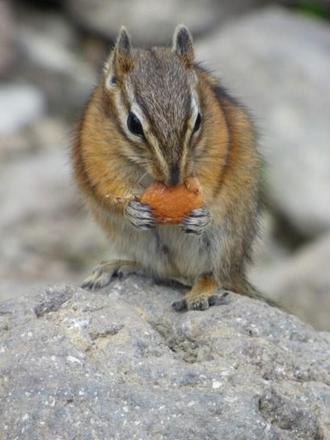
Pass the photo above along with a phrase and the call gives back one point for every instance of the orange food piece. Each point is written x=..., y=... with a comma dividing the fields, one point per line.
x=170, y=204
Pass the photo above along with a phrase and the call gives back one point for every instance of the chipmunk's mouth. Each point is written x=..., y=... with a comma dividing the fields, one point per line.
x=173, y=176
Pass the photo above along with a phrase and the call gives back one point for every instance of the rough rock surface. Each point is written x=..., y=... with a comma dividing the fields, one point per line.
x=278, y=62
x=154, y=21
x=120, y=364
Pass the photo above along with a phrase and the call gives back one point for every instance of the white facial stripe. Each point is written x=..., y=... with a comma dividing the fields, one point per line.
x=153, y=141
x=122, y=114
x=136, y=109
x=194, y=108
x=191, y=124
x=155, y=144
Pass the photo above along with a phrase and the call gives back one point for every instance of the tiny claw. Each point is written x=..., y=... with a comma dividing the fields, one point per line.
x=196, y=221
x=140, y=215
x=201, y=304
x=219, y=300
x=180, y=306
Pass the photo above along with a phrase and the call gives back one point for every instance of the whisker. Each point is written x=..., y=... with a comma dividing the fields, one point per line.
x=142, y=177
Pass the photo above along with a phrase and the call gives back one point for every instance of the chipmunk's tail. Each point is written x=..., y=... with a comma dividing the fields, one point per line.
x=246, y=288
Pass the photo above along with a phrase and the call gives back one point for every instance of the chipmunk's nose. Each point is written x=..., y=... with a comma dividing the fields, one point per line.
x=174, y=175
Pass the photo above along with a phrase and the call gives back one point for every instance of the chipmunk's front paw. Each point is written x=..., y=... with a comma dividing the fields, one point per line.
x=196, y=221
x=140, y=215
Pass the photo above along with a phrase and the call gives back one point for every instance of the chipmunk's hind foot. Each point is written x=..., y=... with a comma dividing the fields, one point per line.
x=106, y=271
x=202, y=295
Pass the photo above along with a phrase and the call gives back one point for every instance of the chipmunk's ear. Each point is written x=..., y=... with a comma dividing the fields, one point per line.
x=120, y=61
x=183, y=44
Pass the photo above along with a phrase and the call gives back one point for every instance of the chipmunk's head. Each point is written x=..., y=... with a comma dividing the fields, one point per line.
x=154, y=100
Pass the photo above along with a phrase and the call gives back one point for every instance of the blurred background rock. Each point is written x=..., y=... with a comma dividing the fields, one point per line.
x=274, y=55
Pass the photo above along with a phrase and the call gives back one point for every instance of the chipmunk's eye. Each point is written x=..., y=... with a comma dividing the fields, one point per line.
x=134, y=125
x=197, y=123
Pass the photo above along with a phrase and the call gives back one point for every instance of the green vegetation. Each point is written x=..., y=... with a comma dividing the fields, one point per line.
x=314, y=8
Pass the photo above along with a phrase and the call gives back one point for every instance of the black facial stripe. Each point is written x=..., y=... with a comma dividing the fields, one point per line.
x=222, y=106
x=127, y=108
x=111, y=111
x=174, y=175
x=126, y=102
x=119, y=127
x=198, y=135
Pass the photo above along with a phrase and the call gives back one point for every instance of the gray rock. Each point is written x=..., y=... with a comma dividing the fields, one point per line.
x=45, y=235
x=48, y=59
x=120, y=364
x=278, y=62
x=153, y=22
x=300, y=282
x=44, y=134
x=20, y=104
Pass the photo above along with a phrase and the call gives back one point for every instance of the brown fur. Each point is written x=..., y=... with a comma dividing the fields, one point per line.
x=109, y=165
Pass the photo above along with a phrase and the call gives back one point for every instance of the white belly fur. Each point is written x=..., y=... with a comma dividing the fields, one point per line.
x=166, y=251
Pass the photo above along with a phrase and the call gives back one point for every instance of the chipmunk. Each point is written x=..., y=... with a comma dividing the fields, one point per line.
x=157, y=115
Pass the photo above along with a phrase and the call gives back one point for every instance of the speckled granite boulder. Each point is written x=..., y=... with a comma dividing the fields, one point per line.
x=120, y=364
